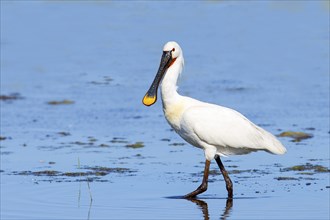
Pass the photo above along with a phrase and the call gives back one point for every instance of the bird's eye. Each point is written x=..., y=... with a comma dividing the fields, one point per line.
x=173, y=49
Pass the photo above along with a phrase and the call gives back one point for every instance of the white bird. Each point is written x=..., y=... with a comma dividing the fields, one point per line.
x=218, y=130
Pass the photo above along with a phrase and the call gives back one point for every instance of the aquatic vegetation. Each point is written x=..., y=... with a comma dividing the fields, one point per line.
x=64, y=133
x=37, y=173
x=138, y=144
x=63, y=102
x=93, y=172
x=306, y=173
x=110, y=169
x=81, y=143
x=296, y=135
x=106, y=81
x=5, y=152
x=213, y=172
x=165, y=139
x=286, y=178
x=235, y=89
x=177, y=144
x=216, y=172
x=92, y=139
x=252, y=171
x=307, y=167
x=10, y=97
x=118, y=140
x=75, y=174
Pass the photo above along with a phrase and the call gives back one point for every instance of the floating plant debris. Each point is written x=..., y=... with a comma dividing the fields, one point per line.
x=5, y=152
x=136, y=145
x=235, y=89
x=285, y=178
x=37, y=173
x=110, y=169
x=252, y=171
x=177, y=144
x=165, y=139
x=64, y=133
x=92, y=139
x=96, y=171
x=307, y=166
x=217, y=172
x=63, y=102
x=296, y=135
x=81, y=143
x=118, y=140
x=10, y=97
x=106, y=81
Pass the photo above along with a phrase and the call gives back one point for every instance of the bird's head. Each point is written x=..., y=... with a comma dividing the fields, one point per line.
x=171, y=51
x=173, y=48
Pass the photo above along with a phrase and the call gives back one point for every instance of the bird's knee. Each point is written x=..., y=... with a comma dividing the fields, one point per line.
x=210, y=152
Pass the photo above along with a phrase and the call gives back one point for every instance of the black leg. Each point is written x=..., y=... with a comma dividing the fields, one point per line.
x=203, y=187
x=229, y=184
x=226, y=211
x=203, y=206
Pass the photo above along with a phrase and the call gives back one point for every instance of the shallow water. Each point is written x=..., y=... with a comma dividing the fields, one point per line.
x=83, y=160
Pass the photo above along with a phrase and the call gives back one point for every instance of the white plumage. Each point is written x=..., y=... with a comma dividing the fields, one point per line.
x=217, y=130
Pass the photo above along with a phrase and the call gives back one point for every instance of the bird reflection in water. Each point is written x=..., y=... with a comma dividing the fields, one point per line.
x=204, y=207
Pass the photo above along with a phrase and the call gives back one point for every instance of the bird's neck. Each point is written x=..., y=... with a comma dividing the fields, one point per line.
x=169, y=83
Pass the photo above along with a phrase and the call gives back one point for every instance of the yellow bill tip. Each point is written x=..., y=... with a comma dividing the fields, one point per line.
x=149, y=100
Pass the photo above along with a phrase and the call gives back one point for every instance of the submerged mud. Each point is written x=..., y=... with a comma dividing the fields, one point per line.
x=88, y=174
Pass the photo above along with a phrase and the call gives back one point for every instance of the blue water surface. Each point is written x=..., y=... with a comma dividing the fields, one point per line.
x=267, y=59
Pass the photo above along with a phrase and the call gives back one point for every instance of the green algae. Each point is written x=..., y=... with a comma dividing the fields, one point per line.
x=296, y=135
x=64, y=133
x=93, y=172
x=285, y=178
x=165, y=139
x=215, y=172
x=307, y=167
x=62, y=102
x=10, y=97
x=110, y=169
x=177, y=144
x=135, y=145
x=37, y=173
x=118, y=140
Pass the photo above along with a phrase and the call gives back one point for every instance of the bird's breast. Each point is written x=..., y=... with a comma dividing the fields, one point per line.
x=173, y=114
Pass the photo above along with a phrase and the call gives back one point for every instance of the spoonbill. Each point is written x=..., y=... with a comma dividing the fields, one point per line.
x=218, y=130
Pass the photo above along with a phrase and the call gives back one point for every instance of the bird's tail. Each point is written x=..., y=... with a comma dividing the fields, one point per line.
x=273, y=145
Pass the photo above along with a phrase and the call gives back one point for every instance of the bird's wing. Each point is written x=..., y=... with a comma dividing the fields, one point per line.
x=229, y=130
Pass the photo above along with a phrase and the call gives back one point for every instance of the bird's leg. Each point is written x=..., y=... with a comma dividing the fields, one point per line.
x=229, y=184
x=203, y=206
x=203, y=187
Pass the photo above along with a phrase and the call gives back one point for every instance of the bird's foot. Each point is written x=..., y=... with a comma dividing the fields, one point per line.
x=202, y=188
